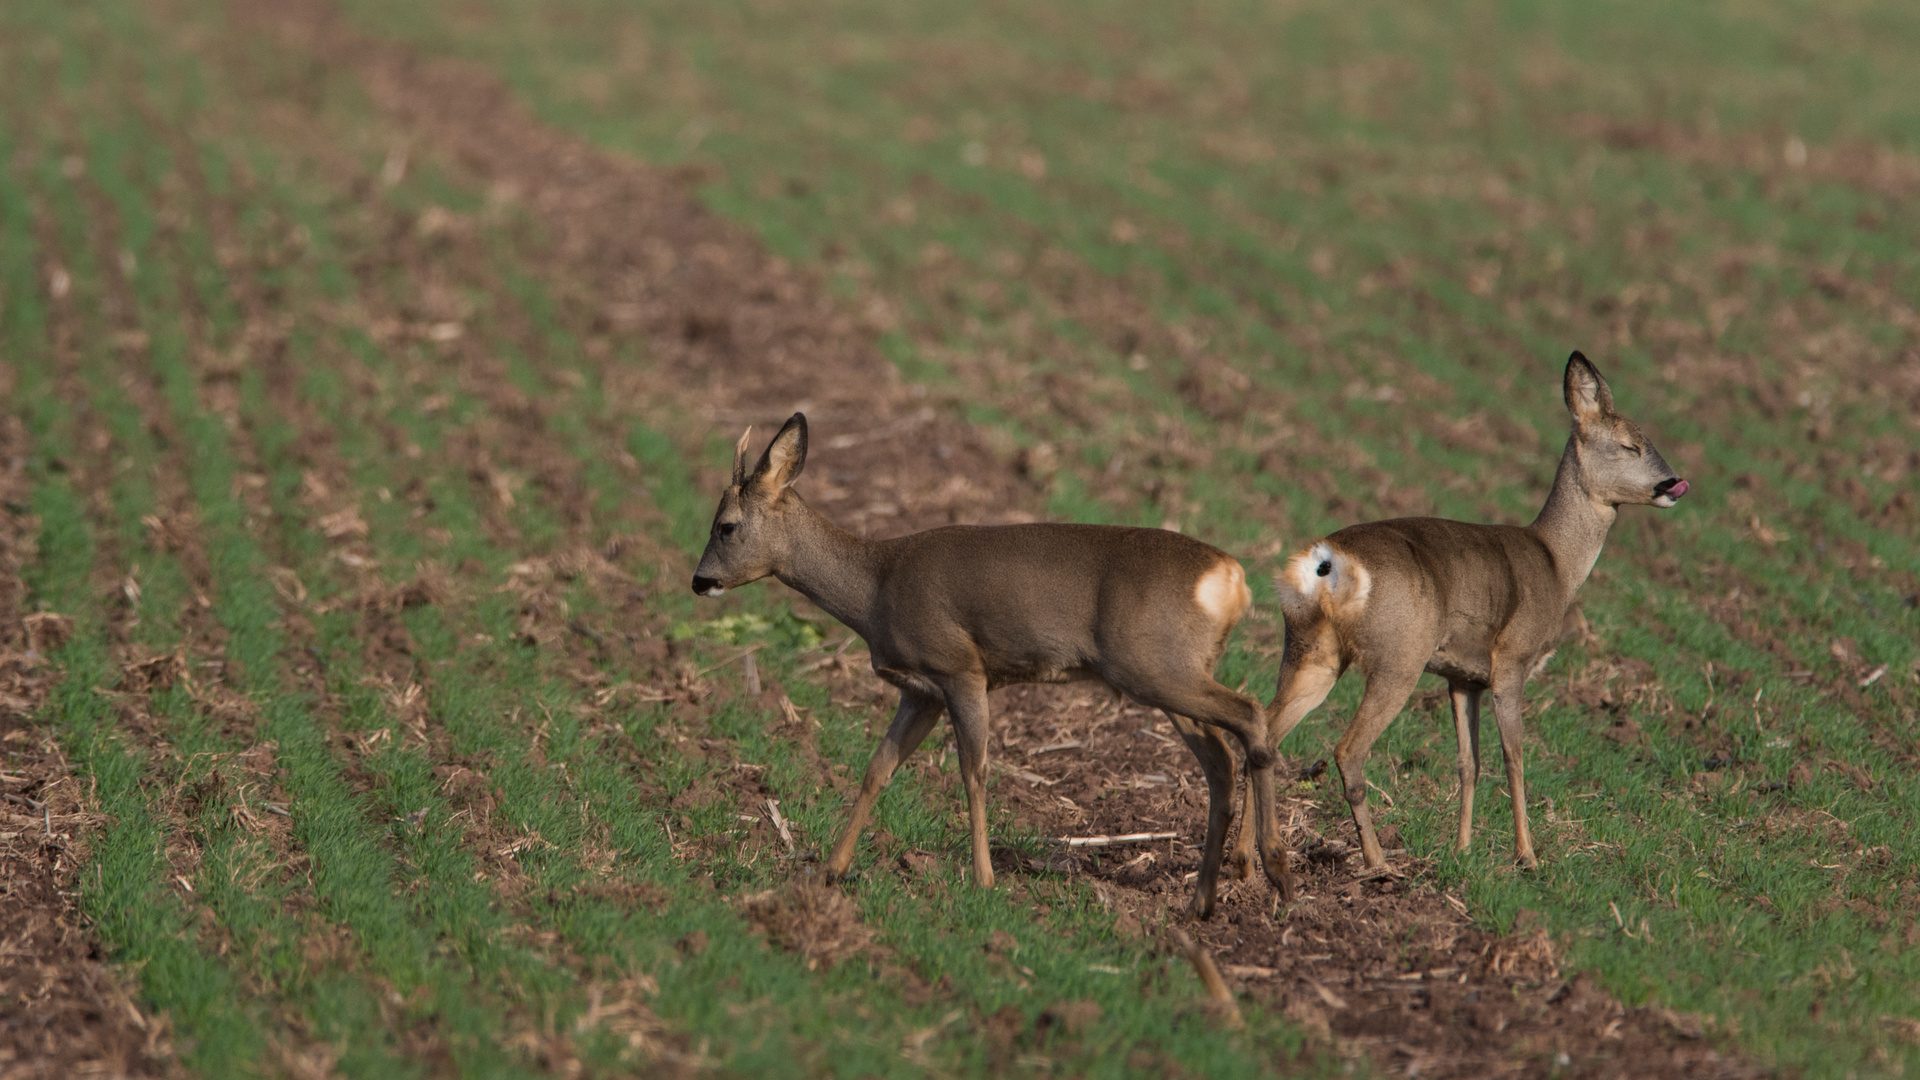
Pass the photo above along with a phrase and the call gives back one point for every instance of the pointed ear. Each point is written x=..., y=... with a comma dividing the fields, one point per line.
x=1587, y=395
x=786, y=455
x=740, y=459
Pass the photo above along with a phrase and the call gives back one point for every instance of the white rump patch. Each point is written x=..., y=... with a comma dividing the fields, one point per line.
x=1222, y=592
x=1303, y=570
x=1328, y=579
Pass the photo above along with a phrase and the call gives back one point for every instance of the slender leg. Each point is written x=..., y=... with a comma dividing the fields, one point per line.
x=967, y=706
x=1303, y=686
x=1207, y=702
x=1266, y=818
x=1216, y=761
x=911, y=721
x=1466, y=732
x=1507, y=701
x=1386, y=695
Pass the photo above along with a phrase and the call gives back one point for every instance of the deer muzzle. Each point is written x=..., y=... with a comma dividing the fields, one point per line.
x=1668, y=492
x=707, y=586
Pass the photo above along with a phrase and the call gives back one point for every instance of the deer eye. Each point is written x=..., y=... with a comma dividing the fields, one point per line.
x=1630, y=448
x=728, y=528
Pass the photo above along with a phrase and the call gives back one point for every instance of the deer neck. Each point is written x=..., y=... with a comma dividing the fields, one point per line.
x=1573, y=524
x=832, y=567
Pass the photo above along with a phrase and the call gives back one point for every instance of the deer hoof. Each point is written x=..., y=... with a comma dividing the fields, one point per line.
x=1278, y=874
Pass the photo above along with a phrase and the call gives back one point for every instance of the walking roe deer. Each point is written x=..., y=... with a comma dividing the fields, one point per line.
x=1481, y=606
x=952, y=613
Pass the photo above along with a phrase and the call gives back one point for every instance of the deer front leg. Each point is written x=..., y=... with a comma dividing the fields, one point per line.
x=911, y=721
x=1507, y=702
x=1386, y=695
x=1466, y=733
x=1302, y=687
x=1216, y=762
x=967, y=705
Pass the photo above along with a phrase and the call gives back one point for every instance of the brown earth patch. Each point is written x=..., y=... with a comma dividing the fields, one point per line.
x=804, y=916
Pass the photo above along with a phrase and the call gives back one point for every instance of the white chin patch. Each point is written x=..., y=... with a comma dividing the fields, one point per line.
x=1663, y=501
x=715, y=591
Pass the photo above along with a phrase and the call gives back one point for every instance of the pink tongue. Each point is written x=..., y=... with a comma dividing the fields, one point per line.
x=1678, y=489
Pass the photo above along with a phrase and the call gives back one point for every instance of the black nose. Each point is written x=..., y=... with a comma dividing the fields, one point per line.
x=1675, y=487
x=703, y=585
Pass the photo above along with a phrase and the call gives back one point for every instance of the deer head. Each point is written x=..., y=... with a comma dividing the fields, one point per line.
x=751, y=530
x=1616, y=463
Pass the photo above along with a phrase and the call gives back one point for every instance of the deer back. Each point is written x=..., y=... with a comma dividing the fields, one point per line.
x=1044, y=602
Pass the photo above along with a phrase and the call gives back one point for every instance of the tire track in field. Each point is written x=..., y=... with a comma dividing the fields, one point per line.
x=639, y=255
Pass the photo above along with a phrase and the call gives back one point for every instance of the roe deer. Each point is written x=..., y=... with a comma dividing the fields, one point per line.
x=952, y=613
x=1481, y=606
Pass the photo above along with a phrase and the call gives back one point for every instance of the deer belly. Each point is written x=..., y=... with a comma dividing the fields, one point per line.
x=1465, y=656
x=908, y=680
x=1041, y=672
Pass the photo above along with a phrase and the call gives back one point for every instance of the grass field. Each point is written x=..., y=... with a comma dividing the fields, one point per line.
x=370, y=372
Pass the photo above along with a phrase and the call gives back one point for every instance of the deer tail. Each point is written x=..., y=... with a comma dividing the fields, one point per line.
x=1322, y=582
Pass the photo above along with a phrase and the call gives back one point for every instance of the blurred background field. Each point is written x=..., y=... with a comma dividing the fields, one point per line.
x=370, y=372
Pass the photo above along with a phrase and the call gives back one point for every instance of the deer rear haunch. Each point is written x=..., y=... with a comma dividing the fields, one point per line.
x=952, y=613
x=1481, y=606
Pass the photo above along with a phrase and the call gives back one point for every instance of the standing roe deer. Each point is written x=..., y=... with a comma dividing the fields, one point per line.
x=952, y=613
x=1479, y=605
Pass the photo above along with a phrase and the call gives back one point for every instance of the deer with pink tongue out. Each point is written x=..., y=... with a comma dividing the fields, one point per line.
x=1481, y=606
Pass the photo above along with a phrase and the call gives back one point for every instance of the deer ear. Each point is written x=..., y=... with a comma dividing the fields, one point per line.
x=786, y=455
x=740, y=459
x=1588, y=397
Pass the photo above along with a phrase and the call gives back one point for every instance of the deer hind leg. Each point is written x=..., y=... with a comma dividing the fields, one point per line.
x=1303, y=686
x=911, y=721
x=1208, y=702
x=1216, y=761
x=1466, y=731
x=967, y=706
x=1507, y=700
x=1386, y=695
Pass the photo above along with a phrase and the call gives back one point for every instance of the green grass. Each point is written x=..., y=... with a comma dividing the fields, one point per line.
x=1327, y=200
